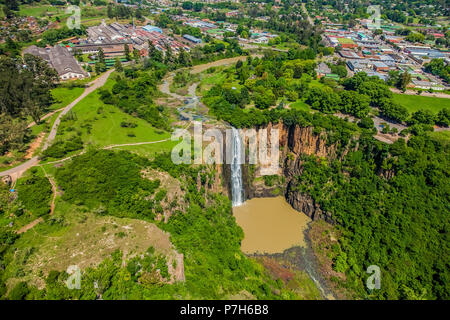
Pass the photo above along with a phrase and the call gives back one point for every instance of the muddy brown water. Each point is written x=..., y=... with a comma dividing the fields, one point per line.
x=274, y=229
x=270, y=225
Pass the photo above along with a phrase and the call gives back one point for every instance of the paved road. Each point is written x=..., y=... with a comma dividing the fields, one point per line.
x=17, y=171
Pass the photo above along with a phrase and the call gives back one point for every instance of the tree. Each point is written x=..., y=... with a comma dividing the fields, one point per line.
x=101, y=56
x=393, y=110
x=127, y=52
x=438, y=67
x=110, y=11
x=323, y=99
x=183, y=58
x=168, y=59
x=136, y=55
x=198, y=6
x=187, y=5
x=118, y=65
x=12, y=5
x=265, y=99
x=100, y=67
x=422, y=117
x=415, y=37
x=404, y=81
x=154, y=53
x=38, y=78
x=354, y=103
x=12, y=133
x=366, y=123
x=443, y=117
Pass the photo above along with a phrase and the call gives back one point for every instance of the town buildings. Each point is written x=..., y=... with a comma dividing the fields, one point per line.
x=113, y=38
x=61, y=59
x=377, y=56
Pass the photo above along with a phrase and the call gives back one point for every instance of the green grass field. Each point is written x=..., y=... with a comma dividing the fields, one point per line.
x=100, y=125
x=40, y=10
x=443, y=136
x=415, y=102
x=300, y=105
x=64, y=96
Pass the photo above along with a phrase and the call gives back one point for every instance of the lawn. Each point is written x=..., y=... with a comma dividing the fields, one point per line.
x=416, y=102
x=443, y=136
x=300, y=105
x=40, y=10
x=99, y=124
x=64, y=96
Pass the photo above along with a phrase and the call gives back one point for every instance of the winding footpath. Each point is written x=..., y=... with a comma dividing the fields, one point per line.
x=442, y=95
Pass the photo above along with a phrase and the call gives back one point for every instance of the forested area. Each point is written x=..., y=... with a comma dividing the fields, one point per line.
x=121, y=194
x=390, y=203
x=35, y=194
x=24, y=94
x=110, y=183
x=280, y=79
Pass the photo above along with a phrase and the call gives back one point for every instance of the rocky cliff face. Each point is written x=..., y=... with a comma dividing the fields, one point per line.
x=294, y=141
x=304, y=203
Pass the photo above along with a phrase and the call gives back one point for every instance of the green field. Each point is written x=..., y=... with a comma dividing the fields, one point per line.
x=415, y=102
x=40, y=11
x=64, y=96
x=99, y=124
x=300, y=105
x=443, y=136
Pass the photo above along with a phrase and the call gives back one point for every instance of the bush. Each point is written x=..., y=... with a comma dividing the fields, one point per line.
x=19, y=291
x=35, y=193
x=114, y=181
x=61, y=148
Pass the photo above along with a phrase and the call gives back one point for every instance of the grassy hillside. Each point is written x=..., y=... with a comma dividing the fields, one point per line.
x=63, y=96
x=100, y=124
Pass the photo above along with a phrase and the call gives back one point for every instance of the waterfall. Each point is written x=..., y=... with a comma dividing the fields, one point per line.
x=237, y=190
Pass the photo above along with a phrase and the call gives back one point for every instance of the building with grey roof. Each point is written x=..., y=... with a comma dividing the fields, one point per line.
x=61, y=60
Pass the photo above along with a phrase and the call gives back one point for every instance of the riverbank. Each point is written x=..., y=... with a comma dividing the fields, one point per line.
x=304, y=259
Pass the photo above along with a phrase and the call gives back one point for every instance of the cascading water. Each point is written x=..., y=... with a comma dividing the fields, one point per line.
x=237, y=190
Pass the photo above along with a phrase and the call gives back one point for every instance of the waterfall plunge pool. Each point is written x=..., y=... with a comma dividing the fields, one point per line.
x=270, y=225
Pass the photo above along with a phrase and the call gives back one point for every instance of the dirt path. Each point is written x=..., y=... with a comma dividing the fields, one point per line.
x=45, y=117
x=424, y=93
x=30, y=225
x=34, y=145
x=54, y=190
